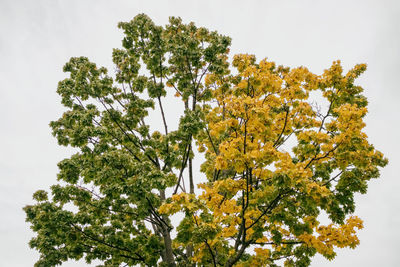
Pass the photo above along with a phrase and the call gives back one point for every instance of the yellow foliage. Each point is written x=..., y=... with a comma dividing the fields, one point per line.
x=258, y=186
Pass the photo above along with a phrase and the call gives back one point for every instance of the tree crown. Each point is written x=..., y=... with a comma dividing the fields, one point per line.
x=274, y=158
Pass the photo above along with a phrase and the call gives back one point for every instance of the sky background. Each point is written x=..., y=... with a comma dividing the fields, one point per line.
x=38, y=37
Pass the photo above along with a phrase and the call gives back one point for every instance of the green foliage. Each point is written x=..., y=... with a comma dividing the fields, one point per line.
x=117, y=181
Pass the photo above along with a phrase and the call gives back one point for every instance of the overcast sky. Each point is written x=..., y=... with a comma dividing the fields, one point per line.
x=38, y=37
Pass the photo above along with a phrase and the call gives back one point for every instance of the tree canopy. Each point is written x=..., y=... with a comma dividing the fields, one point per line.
x=282, y=147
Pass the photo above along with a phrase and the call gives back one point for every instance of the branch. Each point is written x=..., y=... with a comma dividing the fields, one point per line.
x=208, y=245
x=140, y=258
x=163, y=116
x=158, y=217
x=271, y=205
x=115, y=137
x=333, y=178
x=138, y=145
x=232, y=261
x=283, y=129
x=322, y=157
x=98, y=240
x=327, y=114
x=184, y=163
x=273, y=243
x=201, y=76
x=107, y=209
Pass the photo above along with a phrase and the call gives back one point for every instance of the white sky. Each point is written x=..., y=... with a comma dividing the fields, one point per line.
x=38, y=37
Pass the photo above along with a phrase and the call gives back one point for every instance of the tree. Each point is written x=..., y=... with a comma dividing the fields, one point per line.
x=274, y=159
